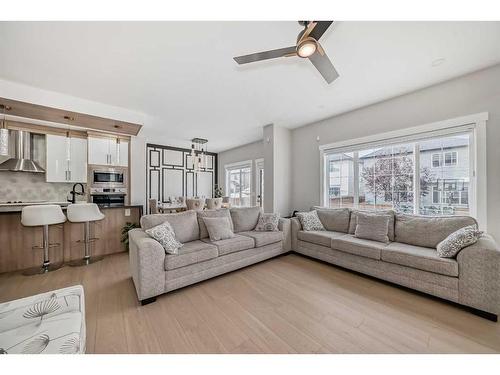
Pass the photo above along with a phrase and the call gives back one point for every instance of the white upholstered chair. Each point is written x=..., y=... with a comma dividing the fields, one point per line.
x=214, y=203
x=196, y=204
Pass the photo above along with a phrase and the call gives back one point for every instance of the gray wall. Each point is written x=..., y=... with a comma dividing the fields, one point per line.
x=250, y=151
x=282, y=171
x=473, y=93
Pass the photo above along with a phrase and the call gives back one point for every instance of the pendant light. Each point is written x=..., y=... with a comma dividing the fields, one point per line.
x=4, y=134
x=198, y=154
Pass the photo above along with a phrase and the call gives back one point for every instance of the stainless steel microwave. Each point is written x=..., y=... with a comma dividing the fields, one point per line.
x=112, y=177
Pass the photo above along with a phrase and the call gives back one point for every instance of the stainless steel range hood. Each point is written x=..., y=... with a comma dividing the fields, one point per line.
x=20, y=148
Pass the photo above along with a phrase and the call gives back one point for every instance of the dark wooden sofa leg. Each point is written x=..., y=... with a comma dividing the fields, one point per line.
x=483, y=314
x=147, y=301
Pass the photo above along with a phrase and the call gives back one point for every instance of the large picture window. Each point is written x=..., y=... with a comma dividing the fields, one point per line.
x=238, y=184
x=426, y=174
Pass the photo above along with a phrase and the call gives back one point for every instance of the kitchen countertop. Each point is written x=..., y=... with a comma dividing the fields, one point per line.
x=18, y=207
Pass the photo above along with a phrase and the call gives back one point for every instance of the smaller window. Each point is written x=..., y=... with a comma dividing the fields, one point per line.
x=437, y=160
x=450, y=158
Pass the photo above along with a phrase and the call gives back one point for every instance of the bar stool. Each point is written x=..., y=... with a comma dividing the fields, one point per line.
x=85, y=213
x=43, y=215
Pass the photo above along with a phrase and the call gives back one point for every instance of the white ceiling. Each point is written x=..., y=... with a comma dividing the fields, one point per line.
x=182, y=73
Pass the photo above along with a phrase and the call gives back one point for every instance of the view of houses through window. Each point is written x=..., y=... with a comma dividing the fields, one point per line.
x=428, y=177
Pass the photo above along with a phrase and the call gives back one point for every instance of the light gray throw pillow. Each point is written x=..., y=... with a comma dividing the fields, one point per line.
x=165, y=235
x=219, y=228
x=310, y=221
x=451, y=245
x=372, y=227
x=268, y=222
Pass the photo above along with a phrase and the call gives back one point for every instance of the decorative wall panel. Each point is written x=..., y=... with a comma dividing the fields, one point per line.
x=170, y=174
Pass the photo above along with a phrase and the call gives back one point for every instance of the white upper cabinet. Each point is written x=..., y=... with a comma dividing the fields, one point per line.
x=66, y=163
x=108, y=151
x=122, y=156
x=99, y=151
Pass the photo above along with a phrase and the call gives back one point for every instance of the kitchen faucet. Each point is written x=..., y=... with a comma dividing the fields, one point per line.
x=75, y=193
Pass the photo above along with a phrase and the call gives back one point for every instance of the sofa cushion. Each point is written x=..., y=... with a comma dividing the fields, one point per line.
x=334, y=219
x=263, y=238
x=319, y=237
x=372, y=227
x=219, y=228
x=391, y=213
x=358, y=246
x=428, y=231
x=419, y=257
x=185, y=224
x=190, y=253
x=222, y=212
x=245, y=218
x=232, y=245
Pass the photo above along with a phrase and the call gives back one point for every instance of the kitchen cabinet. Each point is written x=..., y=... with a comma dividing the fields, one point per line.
x=108, y=151
x=63, y=164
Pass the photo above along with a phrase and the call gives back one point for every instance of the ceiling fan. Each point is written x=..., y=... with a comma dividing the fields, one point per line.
x=307, y=47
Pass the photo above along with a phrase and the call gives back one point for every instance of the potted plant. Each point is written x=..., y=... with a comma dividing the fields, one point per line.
x=126, y=228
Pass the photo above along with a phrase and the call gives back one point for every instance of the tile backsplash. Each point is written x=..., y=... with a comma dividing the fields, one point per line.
x=25, y=186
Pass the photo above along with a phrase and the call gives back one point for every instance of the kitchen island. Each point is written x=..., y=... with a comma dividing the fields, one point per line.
x=17, y=241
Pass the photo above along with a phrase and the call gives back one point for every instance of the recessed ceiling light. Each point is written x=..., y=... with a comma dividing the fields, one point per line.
x=437, y=62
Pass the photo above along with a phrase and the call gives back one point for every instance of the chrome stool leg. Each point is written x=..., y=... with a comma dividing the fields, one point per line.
x=87, y=241
x=47, y=266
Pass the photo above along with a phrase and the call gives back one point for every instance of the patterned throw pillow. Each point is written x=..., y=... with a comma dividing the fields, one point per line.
x=268, y=223
x=451, y=245
x=164, y=234
x=310, y=221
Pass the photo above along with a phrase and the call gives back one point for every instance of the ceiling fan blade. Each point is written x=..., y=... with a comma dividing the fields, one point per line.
x=319, y=29
x=272, y=54
x=321, y=61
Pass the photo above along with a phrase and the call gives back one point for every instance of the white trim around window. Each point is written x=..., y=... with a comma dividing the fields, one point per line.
x=474, y=124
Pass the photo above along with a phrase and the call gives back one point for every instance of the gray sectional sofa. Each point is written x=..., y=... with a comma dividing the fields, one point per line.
x=154, y=272
x=410, y=258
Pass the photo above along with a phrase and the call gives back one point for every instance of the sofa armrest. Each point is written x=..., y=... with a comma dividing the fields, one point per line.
x=296, y=227
x=147, y=264
x=284, y=226
x=479, y=275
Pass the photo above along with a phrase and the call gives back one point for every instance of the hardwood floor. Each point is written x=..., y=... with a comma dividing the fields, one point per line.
x=289, y=304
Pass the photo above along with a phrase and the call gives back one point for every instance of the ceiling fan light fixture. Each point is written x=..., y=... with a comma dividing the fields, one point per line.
x=307, y=47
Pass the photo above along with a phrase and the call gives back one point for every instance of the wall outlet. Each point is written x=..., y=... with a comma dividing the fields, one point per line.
x=127, y=212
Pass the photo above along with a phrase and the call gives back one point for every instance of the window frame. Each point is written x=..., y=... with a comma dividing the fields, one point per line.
x=475, y=124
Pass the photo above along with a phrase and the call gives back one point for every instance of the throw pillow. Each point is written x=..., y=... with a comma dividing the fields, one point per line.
x=372, y=227
x=451, y=245
x=219, y=228
x=310, y=221
x=268, y=222
x=164, y=234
